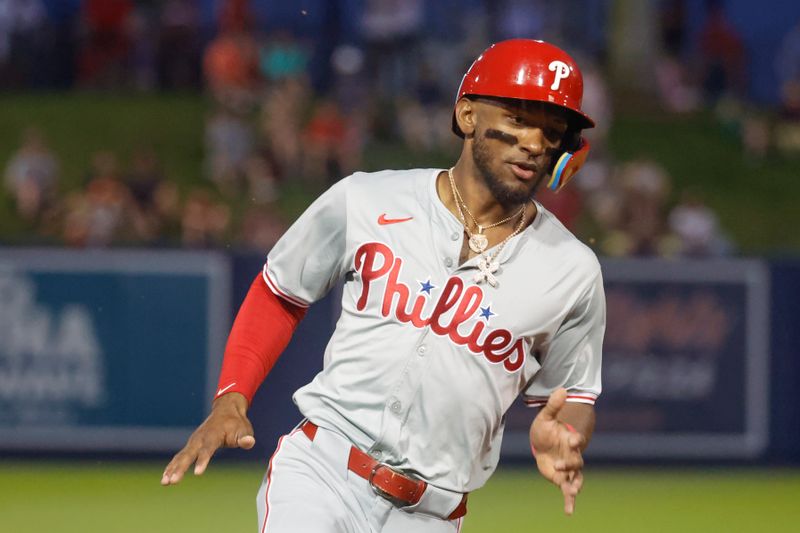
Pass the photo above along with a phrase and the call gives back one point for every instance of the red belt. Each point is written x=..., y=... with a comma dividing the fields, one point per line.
x=395, y=486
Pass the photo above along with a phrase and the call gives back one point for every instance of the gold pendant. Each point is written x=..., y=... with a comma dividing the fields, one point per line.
x=478, y=242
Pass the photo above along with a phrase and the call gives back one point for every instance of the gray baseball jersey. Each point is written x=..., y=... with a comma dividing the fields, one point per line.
x=424, y=363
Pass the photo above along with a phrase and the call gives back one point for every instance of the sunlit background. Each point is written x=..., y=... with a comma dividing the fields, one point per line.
x=153, y=151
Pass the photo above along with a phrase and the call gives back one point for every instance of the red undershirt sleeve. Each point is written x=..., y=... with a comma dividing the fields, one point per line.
x=262, y=330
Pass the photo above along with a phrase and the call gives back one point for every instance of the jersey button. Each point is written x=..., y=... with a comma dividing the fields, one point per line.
x=454, y=236
x=396, y=406
x=448, y=262
x=422, y=349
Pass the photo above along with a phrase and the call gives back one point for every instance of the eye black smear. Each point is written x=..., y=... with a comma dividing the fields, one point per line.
x=501, y=136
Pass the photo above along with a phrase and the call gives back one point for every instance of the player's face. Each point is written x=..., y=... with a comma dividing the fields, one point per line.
x=513, y=146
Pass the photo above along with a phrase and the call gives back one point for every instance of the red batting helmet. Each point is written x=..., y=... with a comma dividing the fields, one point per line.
x=527, y=70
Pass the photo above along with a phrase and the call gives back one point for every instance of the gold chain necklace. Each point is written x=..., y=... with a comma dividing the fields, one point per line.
x=487, y=264
x=477, y=241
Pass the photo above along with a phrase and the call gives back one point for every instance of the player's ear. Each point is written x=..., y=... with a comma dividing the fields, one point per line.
x=466, y=116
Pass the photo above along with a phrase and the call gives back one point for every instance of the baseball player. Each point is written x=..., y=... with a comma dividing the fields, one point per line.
x=460, y=292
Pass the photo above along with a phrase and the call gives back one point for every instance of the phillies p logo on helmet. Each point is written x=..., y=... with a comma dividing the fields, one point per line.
x=562, y=71
x=526, y=69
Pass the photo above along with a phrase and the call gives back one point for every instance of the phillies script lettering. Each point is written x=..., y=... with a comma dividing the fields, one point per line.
x=375, y=260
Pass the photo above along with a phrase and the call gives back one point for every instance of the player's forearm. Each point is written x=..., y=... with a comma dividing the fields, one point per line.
x=262, y=330
x=581, y=417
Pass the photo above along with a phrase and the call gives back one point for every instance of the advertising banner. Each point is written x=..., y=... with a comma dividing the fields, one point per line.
x=685, y=363
x=108, y=350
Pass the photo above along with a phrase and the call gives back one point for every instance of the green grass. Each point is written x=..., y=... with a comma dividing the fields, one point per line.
x=754, y=199
x=79, y=124
x=126, y=498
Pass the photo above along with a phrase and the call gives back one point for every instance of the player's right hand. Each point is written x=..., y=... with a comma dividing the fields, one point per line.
x=227, y=425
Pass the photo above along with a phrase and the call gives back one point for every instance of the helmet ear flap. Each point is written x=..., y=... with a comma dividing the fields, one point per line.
x=568, y=164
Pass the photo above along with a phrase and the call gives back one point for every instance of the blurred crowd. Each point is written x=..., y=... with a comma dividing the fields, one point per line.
x=284, y=111
x=712, y=73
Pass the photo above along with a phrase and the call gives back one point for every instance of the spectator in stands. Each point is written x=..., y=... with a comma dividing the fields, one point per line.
x=697, y=228
x=58, y=62
x=283, y=64
x=424, y=119
x=7, y=23
x=392, y=30
x=672, y=23
x=179, y=45
x=351, y=93
x=673, y=79
x=204, y=221
x=787, y=66
x=350, y=86
x=106, y=42
x=522, y=18
x=284, y=105
x=23, y=22
x=144, y=176
x=331, y=146
x=261, y=228
x=230, y=64
x=262, y=175
x=143, y=50
x=166, y=215
x=31, y=175
x=234, y=16
x=229, y=143
x=597, y=102
x=101, y=214
x=755, y=134
x=722, y=55
x=637, y=227
x=143, y=180
x=281, y=57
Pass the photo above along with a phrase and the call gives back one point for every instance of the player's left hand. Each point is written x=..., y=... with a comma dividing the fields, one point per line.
x=557, y=449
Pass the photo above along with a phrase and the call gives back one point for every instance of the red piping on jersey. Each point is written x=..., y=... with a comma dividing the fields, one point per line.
x=536, y=402
x=575, y=396
x=274, y=288
x=262, y=329
x=269, y=478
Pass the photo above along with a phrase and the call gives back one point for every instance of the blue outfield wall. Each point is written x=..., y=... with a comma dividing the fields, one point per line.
x=785, y=367
x=120, y=352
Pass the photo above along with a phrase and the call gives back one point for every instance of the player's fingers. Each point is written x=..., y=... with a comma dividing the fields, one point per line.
x=246, y=442
x=244, y=437
x=203, y=458
x=554, y=404
x=235, y=433
x=178, y=466
x=575, y=440
x=569, y=463
x=569, y=498
x=559, y=478
x=577, y=481
x=570, y=488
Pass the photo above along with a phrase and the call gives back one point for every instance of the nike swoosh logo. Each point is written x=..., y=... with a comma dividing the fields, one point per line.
x=220, y=391
x=382, y=220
